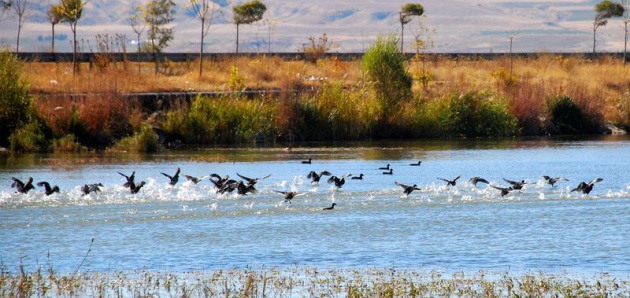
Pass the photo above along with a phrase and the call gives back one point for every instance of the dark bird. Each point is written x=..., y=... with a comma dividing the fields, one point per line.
x=173, y=178
x=307, y=161
x=586, y=187
x=504, y=190
x=88, y=188
x=339, y=182
x=252, y=181
x=47, y=189
x=219, y=181
x=130, y=178
x=135, y=188
x=384, y=168
x=391, y=172
x=553, y=181
x=360, y=177
x=475, y=180
x=316, y=177
x=406, y=188
x=516, y=184
x=21, y=186
x=288, y=195
x=243, y=189
x=331, y=207
x=194, y=179
x=416, y=164
x=450, y=182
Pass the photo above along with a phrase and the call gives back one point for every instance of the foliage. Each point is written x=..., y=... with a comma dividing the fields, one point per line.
x=386, y=70
x=158, y=14
x=144, y=140
x=67, y=144
x=409, y=10
x=314, y=51
x=237, y=82
x=71, y=12
x=205, y=11
x=604, y=11
x=334, y=114
x=224, y=120
x=247, y=13
x=475, y=114
x=14, y=95
x=30, y=138
x=567, y=117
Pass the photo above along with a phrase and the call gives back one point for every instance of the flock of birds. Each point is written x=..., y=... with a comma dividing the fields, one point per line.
x=224, y=184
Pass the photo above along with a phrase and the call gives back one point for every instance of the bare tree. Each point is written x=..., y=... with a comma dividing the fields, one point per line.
x=271, y=29
x=605, y=10
x=205, y=11
x=54, y=17
x=20, y=7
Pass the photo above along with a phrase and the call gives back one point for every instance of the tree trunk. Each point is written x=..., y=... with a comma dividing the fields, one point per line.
x=53, y=39
x=236, y=38
x=594, y=31
x=74, y=47
x=625, y=41
x=203, y=21
x=402, y=37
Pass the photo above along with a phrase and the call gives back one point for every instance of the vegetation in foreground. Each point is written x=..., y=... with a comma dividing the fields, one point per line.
x=382, y=96
x=309, y=281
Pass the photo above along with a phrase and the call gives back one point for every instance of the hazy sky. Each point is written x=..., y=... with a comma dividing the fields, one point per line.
x=451, y=25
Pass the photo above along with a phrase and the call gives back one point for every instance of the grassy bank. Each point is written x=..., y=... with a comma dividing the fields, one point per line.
x=326, y=100
x=311, y=282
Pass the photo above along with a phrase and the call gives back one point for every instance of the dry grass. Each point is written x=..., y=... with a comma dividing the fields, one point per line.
x=600, y=87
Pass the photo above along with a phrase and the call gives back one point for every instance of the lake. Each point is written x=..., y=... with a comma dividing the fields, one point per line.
x=191, y=227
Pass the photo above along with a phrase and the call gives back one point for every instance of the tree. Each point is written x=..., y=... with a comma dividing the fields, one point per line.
x=626, y=19
x=54, y=17
x=4, y=5
x=71, y=11
x=386, y=70
x=248, y=13
x=136, y=20
x=406, y=13
x=14, y=95
x=20, y=7
x=158, y=14
x=205, y=11
x=605, y=10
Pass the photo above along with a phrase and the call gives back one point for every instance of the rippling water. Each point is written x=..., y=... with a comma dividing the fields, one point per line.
x=190, y=227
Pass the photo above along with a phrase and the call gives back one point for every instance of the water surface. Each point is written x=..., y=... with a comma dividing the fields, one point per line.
x=189, y=227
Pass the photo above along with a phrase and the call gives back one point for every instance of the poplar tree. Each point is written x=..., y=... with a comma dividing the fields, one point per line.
x=158, y=15
x=248, y=13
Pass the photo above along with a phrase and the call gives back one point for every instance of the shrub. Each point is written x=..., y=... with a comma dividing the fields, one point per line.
x=67, y=144
x=567, y=117
x=29, y=138
x=386, y=70
x=476, y=114
x=14, y=96
x=145, y=140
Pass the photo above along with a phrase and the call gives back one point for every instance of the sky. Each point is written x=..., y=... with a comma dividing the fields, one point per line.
x=450, y=26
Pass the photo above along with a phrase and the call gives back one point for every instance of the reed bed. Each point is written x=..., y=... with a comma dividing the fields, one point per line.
x=303, y=281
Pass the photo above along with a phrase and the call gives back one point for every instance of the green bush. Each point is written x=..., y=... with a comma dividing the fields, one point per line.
x=30, y=138
x=67, y=144
x=222, y=120
x=143, y=141
x=14, y=96
x=386, y=70
x=567, y=117
x=475, y=114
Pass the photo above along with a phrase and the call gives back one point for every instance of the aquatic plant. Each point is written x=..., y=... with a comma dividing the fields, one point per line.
x=309, y=281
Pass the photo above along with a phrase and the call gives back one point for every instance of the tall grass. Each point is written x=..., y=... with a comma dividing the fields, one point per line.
x=309, y=282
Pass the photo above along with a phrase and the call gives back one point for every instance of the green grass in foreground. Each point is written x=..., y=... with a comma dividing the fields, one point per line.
x=308, y=282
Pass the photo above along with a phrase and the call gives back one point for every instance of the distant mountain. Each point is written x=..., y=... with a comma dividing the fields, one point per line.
x=353, y=25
